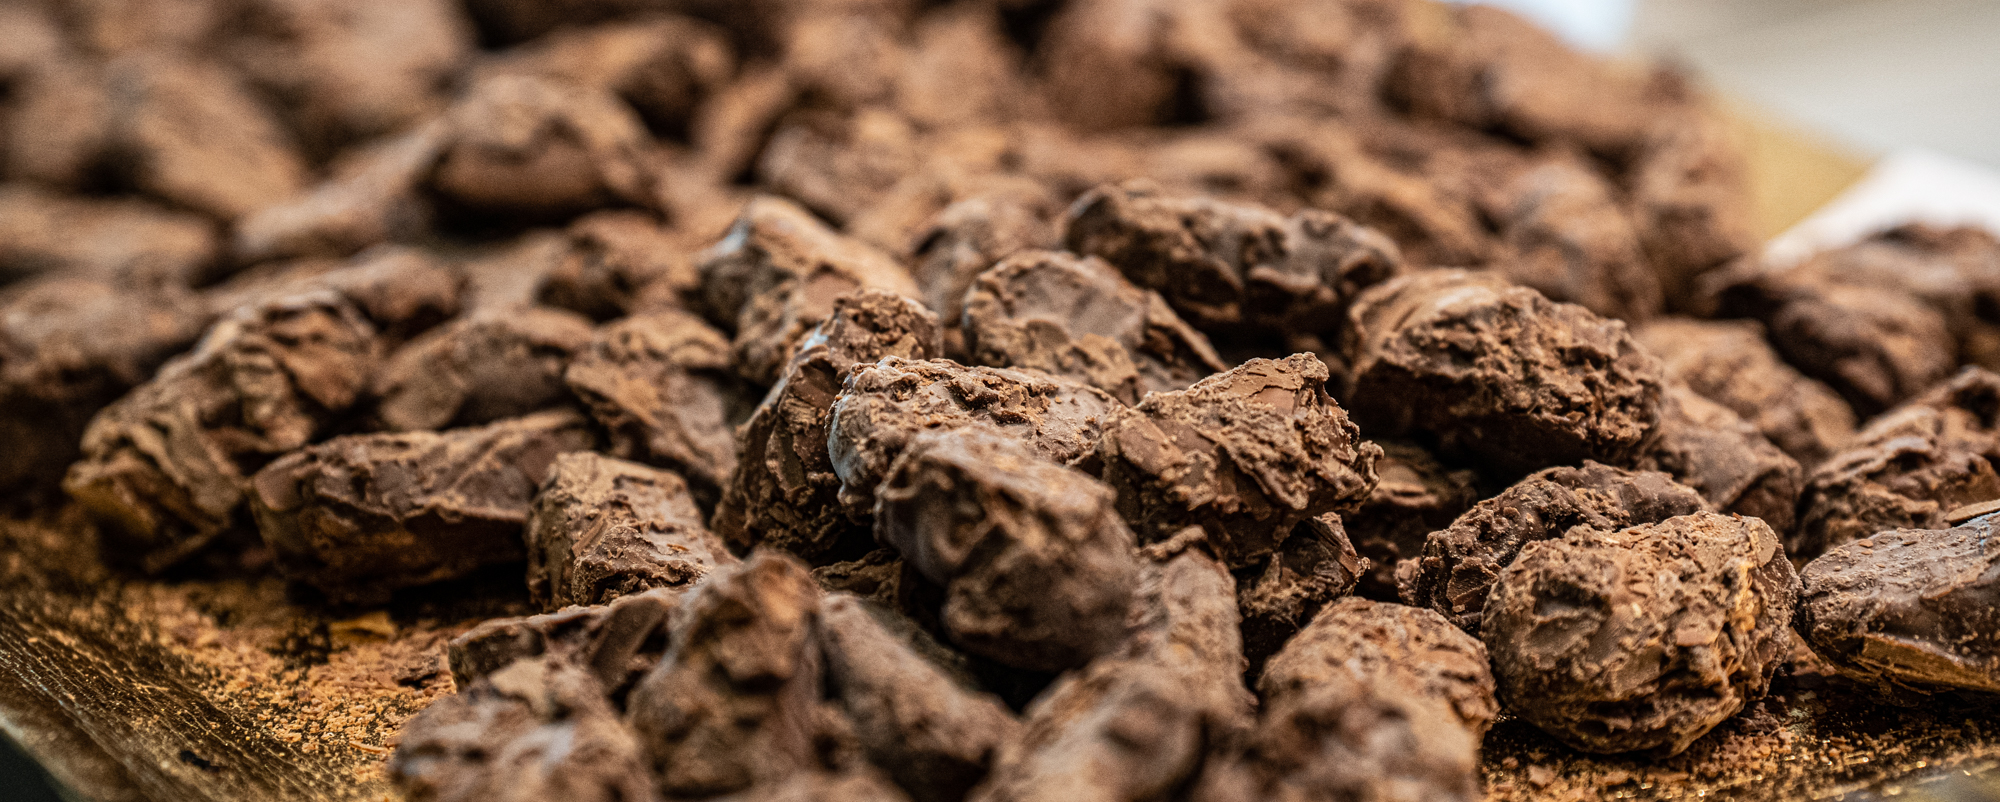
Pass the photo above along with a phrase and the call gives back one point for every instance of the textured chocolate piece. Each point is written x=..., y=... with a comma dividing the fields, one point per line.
x=1223, y=264
x=403, y=291
x=784, y=493
x=732, y=704
x=840, y=165
x=1953, y=271
x=863, y=784
x=537, y=729
x=1497, y=373
x=777, y=274
x=1388, y=645
x=1911, y=611
x=933, y=736
x=1314, y=566
x=1461, y=562
x=166, y=466
x=660, y=385
x=1563, y=235
x=616, y=642
x=1246, y=455
x=876, y=577
x=1705, y=446
x=1729, y=362
x=1037, y=568
x=620, y=262
x=602, y=528
x=1699, y=606
x=1415, y=496
x=128, y=241
x=360, y=515
x=1907, y=468
x=970, y=235
x=662, y=66
x=480, y=368
x=1137, y=723
x=537, y=148
x=1690, y=198
x=373, y=195
x=1079, y=319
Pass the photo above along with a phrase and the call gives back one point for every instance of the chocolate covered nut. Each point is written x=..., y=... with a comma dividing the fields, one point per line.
x=1389, y=645
x=539, y=148
x=1314, y=566
x=403, y=291
x=1907, y=468
x=1497, y=372
x=784, y=493
x=1079, y=319
x=660, y=385
x=1910, y=611
x=166, y=466
x=1953, y=271
x=480, y=368
x=1705, y=446
x=360, y=515
x=1223, y=264
x=777, y=274
x=1415, y=496
x=602, y=528
x=1037, y=568
x=616, y=642
x=1461, y=562
x=1729, y=362
x=1563, y=235
x=732, y=703
x=933, y=736
x=1700, y=607
x=1245, y=455
x=537, y=729
x=128, y=241
x=373, y=195
x=876, y=576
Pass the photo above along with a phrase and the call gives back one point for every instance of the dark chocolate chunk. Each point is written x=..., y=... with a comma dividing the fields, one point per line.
x=602, y=528
x=1704, y=445
x=1461, y=562
x=1563, y=235
x=617, y=642
x=1311, y=568
x=360, y=515
x=970, y=235
x=1246, y=455
x=1415, y=496
x=1498, y=373
x=482, y=367
x=402, y=290
x=660, y=385
x=1911, y=611
x=1729, y=362
x=1037, y=569
x=1699, y=607
x=876, y=576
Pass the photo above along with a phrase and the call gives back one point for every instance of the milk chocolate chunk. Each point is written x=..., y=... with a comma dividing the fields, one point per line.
x=1690, y=198
x=1563, y=235
x=1037, y=567
x=933, y=736
x=660, y=385
x=481, y=367
x=538, y=148
x=1907, y=468
x=1705, y=446
x=1497, y=373
x=373, y=194
x=1699, y=606
x=127, y=241
x=1137, y=723
x=167, y=465
x=1911, y=611
x=602, y=528
x=1729, y=362
x=1246, y=455
x=1314, y=566
x=363, y=514
x=616, y=642
x=193, y=134
x=777, y=274
x=1224, y=264
x=1079, y=319
x=1461, y=562
x=1387, y=645
x=732, y=704
x=662, y=66
x=784, y=493
x=620, y=262
x=537, y=729
x=1875, y=346
x=972, y=234
x=840, y=165
x=1415, y=496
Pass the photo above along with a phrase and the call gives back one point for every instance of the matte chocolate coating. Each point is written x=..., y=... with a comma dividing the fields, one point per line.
x=1642, y=638
x=1461, y=562
x=1705, y=446
x=363, y=514
x=126, y=240
x=1415, y=496
x=1907, y=468
x=1563, y=235
x=1381, y=643
x=1912, y=611
x=864, y=784
x=885, y=404
x=965, y=238
x=660, y=385
x=1690, y=197
x=537, y=729
x=1311, y=568
x=1336, y=737
x=1224, y=264
x=732, y=703
x=375, y=196
x=620, y=262
x=1037, y=568
x=1729, y=362
x=538, y=148
x=602, y=528
x=663, y=66
x=480, y=368
x=1246, y=455
x=165, y=467
x=1079, y=319
x=784, y=493
x=617, y=642
x=1497, y=373
x=933, y=736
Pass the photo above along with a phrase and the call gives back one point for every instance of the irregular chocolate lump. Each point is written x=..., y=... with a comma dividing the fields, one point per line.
x=1912, y=611
x=483, y=367
x=1246, y=455
x=1497, y=372
x=1705, y=446
x=660, y=385
x=1314, y=566
x=968, y=236
x=1079, y=319
x=1037, y=568
x=1562, y=235
x=1729, y=362
x=1643, y=638
x=360, y=515
x=617, y=642
x=1415, y=496
x=1384, y=644
x=1461, y=562
x=128, y=241
x=602, y=528
x=536, y=148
